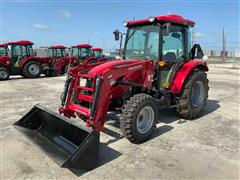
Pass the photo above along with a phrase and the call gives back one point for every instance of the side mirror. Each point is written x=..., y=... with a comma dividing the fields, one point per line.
x=196, y=52
x=166, y=29
x=116, y=34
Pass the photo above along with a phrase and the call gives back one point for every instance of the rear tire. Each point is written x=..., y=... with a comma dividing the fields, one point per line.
x=4, y=73
x=138, y=118
x=192, y=99
x=32, y=70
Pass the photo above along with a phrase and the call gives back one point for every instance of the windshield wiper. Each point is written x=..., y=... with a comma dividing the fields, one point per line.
x=130, y=36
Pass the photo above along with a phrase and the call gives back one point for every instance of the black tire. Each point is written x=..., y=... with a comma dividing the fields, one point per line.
x=186, y=108
x=4, y=73
x=29, y=73
x=129, y=117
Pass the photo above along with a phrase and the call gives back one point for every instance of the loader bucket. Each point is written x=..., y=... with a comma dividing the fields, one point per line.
x=68, y=145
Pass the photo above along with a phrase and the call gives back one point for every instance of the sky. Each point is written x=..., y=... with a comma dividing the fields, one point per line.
x=50, y=22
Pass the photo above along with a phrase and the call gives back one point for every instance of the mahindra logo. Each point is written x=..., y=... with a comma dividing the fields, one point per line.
x=135, y=67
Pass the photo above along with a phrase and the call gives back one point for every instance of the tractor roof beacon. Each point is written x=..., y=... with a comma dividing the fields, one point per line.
x=158, y=70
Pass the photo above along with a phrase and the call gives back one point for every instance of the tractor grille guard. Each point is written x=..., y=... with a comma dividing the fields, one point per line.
x=84, y=93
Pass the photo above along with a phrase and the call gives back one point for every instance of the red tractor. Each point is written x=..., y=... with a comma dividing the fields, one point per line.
x=158, y=70
x=57, y=61
x=82, y=53
x=18, y=59
x=98, y=53
x=5, y=62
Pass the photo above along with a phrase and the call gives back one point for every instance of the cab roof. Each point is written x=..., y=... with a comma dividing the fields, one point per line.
x=83, y=46
x=4, y=45
x=23, y=42
x=172, y=18
x=97, y=49
x=57, y=47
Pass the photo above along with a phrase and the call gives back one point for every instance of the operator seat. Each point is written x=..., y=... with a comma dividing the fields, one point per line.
x=170, y=57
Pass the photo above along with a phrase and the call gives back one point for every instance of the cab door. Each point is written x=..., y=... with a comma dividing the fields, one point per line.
x=174, y=52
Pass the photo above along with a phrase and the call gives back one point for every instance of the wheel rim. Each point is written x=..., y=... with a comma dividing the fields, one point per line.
x=3, y=74
x=197, y=94
x=33, y=69
x=145, y=119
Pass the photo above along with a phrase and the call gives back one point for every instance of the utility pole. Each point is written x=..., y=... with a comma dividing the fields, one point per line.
x=223, y=44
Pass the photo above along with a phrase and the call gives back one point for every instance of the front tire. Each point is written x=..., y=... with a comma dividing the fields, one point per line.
x=192, y=99
x=138, y=118
x=32, y=70
x=4, y=73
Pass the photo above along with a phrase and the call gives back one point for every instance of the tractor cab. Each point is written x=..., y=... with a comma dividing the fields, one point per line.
x=162, y=39
x=97, y=52
x=56, y=51
x=19, y=51
x=81, y=52
x=3, y=49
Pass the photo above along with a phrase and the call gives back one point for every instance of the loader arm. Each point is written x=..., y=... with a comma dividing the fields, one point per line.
x=102, y=89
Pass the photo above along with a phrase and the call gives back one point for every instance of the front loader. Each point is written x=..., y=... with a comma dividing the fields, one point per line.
x=158, y=70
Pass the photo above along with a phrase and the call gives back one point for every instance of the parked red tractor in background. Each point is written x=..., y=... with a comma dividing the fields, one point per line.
x=19, y=59
x=57, y=61
x=82, y=53
x=158, y=70
x=98, y=53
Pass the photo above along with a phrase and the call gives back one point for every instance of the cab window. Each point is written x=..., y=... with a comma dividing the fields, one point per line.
x=58, y=53
x=16, y=50
x=173, y=50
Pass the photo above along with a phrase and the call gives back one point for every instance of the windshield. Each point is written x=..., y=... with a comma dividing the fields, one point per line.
x=142, y=43
x=56, y=53
x=3, y=51
x=84, y=52
x=30, y=50
x=97, y=54
x=75, y=52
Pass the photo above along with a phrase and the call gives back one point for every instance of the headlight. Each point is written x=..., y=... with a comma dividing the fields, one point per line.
x=125, y=23
x=151, y=19
x=8, y=62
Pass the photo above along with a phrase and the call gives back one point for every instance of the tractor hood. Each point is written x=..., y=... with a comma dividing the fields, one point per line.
x=98, y=70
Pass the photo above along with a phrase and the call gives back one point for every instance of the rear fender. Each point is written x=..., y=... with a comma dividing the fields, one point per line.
x=184, y=72
x=90, y=59
x=28, y=59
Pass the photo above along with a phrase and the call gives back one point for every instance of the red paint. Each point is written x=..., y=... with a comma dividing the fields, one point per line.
x=165, y=18
x=23, y=42
x=183, y=73
x=4, y=45
x=83, y=46
x=57, y=47
x=97, y=49
x=5, y=61
x=87, y=60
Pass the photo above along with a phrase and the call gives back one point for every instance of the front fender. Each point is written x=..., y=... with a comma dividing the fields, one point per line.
x=184, y=72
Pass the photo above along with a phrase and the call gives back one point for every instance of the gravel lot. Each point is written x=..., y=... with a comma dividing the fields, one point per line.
x=204, y=148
